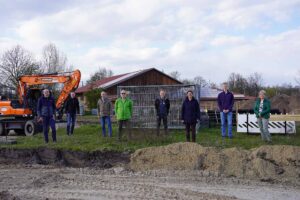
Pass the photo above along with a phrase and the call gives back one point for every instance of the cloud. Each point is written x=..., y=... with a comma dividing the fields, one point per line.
x=200, y=37
x=227, y=40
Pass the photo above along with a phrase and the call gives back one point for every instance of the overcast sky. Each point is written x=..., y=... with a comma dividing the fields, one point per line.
x=208, y=38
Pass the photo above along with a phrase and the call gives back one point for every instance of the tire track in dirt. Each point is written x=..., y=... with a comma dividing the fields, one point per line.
x=40, y=182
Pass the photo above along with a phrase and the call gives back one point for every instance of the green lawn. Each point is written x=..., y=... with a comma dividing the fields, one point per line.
x=88, y=138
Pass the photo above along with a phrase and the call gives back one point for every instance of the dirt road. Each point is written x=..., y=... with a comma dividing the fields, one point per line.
x=49, y=182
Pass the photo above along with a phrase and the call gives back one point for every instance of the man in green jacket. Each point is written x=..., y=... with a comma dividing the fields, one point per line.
x=262, y=110
x=123, y=111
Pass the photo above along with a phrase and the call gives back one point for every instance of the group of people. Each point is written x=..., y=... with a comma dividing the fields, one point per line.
x=190, y=113
x=262, y=109
x=123, y=109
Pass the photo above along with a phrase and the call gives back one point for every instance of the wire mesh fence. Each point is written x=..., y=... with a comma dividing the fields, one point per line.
x=143, y=97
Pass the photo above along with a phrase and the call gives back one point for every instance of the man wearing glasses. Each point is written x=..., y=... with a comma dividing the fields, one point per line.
x=123, y=110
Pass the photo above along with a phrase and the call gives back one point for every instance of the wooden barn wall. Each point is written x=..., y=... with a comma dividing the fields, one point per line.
x=150, y=78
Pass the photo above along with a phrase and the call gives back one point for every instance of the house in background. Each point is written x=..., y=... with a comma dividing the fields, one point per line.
x=144, y=77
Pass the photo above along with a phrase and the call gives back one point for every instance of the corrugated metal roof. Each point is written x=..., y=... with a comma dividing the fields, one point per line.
x=212, y=93
x=98, y=83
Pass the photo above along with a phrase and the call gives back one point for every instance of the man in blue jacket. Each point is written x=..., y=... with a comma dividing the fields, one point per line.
x=46, y=113
x=225, y=103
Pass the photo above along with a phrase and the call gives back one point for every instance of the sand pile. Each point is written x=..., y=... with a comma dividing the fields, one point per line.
x=276, y=163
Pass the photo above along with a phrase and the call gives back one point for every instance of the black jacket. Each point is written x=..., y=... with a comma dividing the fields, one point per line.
x=167, y=106
x=72, y=105
x=190, y=111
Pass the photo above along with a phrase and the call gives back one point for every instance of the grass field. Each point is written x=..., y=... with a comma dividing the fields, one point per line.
x=89, y=138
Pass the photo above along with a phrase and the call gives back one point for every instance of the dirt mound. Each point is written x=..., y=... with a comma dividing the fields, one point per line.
x=270, y=163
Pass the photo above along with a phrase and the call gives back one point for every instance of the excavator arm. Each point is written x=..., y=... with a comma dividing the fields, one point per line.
x=70, y=80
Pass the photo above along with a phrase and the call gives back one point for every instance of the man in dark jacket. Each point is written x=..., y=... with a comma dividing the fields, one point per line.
x=46, y=113
x=72, y=108
x=190, y=115
x=225, y=103
x=162, y=107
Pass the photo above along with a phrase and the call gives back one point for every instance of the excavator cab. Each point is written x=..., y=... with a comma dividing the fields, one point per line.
x=31, y=99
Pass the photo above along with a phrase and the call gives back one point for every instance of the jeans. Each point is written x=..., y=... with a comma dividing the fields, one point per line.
x=188, y=128
x=49, y=121
x=103, y=121
x=165, y=122
x=227, y=116
x=264, y=131
x=71, y=119
x=128, y=126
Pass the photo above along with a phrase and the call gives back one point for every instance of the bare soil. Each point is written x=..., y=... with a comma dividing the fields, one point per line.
x=278, y=163
x=32, y=182
x=176, y=171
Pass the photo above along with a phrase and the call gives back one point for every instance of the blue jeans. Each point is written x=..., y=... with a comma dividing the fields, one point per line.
x=71, y=119
x=103, y=120
x=49, y=121
x=227, y=116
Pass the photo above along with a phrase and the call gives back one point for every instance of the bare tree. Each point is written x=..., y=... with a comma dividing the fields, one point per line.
x=187, y=81
x=53, y=60
x=175, y=74
x=69, y=68
x=255, y=83
x=199, y=80
x=100, y=74
x=237, y=83
x=16, y=62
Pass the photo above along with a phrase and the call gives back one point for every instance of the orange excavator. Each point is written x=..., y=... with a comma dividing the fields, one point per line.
x=20, y=115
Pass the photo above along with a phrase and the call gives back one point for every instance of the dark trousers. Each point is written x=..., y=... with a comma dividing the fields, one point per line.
x=49, y=121
x=71, y=119
x=188, y=128
x=158, y=123
x=127, y=124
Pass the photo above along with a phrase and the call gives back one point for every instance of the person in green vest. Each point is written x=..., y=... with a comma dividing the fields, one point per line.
x=123, y=111
x=262, y=108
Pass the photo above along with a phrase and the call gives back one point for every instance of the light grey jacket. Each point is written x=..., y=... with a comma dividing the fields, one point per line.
x=104, y=107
